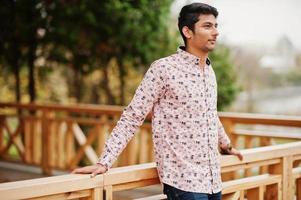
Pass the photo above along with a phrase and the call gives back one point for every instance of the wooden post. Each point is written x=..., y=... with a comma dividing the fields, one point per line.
x=248, y=145
x=61, y=155
x=97, y=194
x=264, y=141
x=27, y=140
x=108, y=191
x=2, y=117
x=273, y=191
x=298, y=188
x=285, y=168
x=45, y=147
x=69, y=144
x=256, y=193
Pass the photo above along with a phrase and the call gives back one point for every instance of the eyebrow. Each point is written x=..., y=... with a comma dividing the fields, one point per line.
x=210, y=23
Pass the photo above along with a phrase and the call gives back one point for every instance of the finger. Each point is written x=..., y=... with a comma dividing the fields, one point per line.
x=99, y=170
x=239, y=155
x=75, y=171
x=83, y=170
x=93, y=174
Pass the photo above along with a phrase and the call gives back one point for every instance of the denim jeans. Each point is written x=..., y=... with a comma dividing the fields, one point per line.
x=177, y=194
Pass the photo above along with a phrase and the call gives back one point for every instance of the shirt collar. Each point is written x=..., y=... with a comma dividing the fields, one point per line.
x=190, y=57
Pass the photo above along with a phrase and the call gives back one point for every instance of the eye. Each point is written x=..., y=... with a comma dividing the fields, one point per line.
x=207, y=26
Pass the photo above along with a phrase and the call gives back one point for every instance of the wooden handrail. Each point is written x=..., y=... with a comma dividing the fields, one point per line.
x=129, y=177
x=70, y=132
x=72, y=186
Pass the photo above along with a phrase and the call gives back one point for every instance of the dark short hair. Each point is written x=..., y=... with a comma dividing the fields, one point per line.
x=189, y=15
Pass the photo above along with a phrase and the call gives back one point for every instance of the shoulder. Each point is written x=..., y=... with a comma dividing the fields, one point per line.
x=164, y=63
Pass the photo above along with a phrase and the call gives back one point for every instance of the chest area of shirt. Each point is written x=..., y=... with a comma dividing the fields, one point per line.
x=189, y=86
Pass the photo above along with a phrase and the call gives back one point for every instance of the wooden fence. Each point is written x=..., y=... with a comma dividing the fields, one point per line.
x=63, y=137
x=282, y=181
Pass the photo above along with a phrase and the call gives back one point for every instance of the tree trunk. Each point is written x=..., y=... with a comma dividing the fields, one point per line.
x=31, y=59
x=95, y=97
x=16, y=68
x=122, y=74
x=77, y=84
x=14, y=57
x=105, y=86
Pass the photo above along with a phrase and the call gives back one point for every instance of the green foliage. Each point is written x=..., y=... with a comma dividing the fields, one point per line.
x=225, y=75
x=77, y=41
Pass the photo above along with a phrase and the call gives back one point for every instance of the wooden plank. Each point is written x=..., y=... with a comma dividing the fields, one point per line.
x=49, y=186
x=263, y=153
x=45, y=147
x=65, y=196
x=135, y=184
x=97, y=194
x=108, y=192
x=265, y=133
x=249, y=183
x=52, y=143
x=153, y=197
x=273, y=192
x=287, y=177
x=254, y=194
x=251, y=165
x=37, y=140
x=61, y=141
x=232, y=196
x=85, y=145
x=248, y=145
x=2, y=144
x=248, y=118
x=298, y=188
x=130, y=174
x=69, y=140
x=27, y=140
x=242, y=195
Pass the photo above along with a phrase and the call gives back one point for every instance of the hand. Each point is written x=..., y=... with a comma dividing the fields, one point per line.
x=92, y=169
x=235, y=152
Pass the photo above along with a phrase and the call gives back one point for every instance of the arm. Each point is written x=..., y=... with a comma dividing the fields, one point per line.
x=223, y=139
x=225, y=143
x=149, y=91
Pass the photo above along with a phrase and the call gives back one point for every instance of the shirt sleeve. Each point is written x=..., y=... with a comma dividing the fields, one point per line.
x=223, y=138
x=149, y=91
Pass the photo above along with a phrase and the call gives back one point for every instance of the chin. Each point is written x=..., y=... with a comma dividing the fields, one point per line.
x=211, y=48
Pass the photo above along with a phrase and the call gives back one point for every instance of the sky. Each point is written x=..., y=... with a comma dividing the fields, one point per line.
x=258, y=22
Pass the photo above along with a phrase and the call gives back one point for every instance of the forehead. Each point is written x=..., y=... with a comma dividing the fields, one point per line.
x=206, y=18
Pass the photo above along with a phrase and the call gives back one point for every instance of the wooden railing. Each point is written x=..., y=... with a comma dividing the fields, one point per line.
x=281, y=182
x=63, y=137
x=57, y=187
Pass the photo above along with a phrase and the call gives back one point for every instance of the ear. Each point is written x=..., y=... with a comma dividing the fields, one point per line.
x=187, y=32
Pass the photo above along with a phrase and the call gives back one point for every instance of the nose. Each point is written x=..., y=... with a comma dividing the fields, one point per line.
x=215, y=32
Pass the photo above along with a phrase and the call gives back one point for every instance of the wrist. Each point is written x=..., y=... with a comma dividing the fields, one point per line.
x=227, y=149
x=103, y=165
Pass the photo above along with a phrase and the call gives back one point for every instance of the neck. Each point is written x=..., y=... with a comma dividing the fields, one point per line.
x=199, y=53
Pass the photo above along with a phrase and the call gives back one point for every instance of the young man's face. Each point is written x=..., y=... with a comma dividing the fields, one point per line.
x=205, y=33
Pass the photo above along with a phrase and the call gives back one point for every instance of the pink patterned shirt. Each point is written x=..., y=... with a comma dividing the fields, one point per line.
x=186, y=127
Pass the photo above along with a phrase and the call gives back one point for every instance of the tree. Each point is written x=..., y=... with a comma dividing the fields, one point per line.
x=127, y=31
x=225, y=75
x=19, y=40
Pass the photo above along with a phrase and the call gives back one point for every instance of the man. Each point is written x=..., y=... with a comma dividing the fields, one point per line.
x=181, y=91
